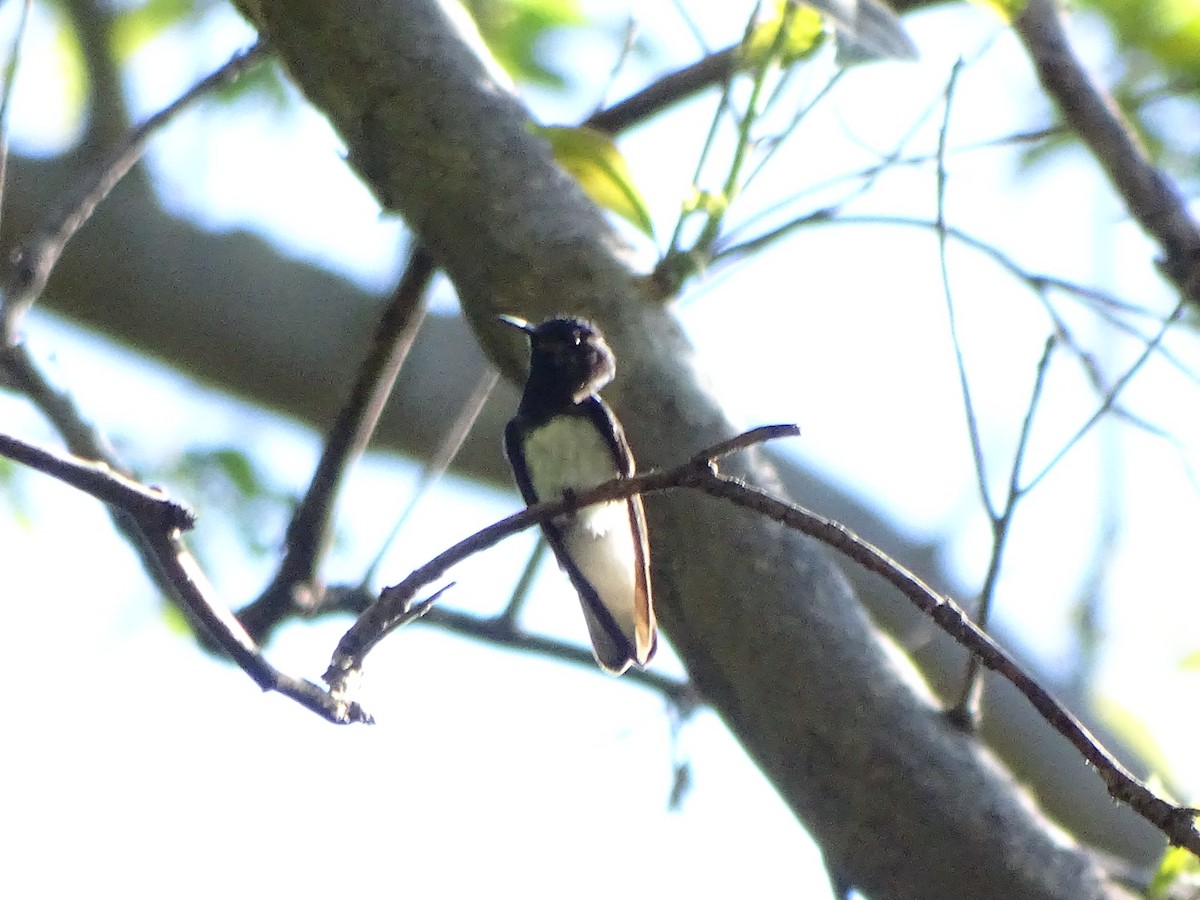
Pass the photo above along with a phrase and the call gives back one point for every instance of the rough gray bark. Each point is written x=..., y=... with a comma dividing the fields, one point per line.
x=903, y=805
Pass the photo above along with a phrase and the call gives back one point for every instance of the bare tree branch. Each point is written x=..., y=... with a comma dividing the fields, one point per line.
x=154, y=533
x=146, y=504
x=156, y=522
x=32, y=263
x=296, y=584
x=1148, y=194
x=397, y=605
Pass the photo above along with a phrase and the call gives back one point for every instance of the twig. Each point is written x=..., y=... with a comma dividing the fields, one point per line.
x=673, y=247
x=1148, y=194
x=497, y=631
x=396, y=606
x=732, y=185
x=1110, y=398
x=743, y=441
x=713, y=70
x=146, y=504
x=966, y=711
x=502, y=630
x=296, y=583
x=959, y=360
x=776, y=143
x=194, y=593
x=35, y=259
x=157, y=523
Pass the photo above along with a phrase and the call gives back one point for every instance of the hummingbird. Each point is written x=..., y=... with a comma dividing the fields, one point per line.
x=565, y=439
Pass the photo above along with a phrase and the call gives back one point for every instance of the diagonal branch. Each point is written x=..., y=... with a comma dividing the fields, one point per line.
x=1147, y=193
x=33, y=262
x=1176, y=822
x=156, y=523
x=397, y=606
x=296, y=584
x=146, y=504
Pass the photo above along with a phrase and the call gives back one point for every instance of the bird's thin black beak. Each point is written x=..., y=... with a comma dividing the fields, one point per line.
x=514, y=322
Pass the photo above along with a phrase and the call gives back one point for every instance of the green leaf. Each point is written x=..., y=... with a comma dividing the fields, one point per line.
x=513, y=29
x=136, y=26
x=711, y=203
x=805, y=31
x=598, y=166
x=1168, y=30
x=1178, y=868
x=240, y=470
x=1005, y=9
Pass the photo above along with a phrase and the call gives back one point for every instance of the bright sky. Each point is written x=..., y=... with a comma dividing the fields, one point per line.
x=165, y=773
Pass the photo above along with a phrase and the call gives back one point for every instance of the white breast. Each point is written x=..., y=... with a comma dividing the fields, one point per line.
x=568, y=452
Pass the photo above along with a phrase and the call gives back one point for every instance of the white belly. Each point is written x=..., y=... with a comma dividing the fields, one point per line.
x=569, y=453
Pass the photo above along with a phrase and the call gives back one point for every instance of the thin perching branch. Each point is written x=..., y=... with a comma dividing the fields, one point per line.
x=966, y=710
x=146, y=504
x=397, y=605
x=502, y=630
x=157, y=523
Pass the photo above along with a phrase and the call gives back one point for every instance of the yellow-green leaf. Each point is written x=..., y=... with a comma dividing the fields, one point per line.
x=804, y=31
x=516, y=31
x=136, y=26
x=1169, y=30
x=1178, y=866
x=713, y=203
x=1005, y=9
x=598, y=166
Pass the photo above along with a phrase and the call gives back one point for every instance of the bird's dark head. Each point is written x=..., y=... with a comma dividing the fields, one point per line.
x=568, y=357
